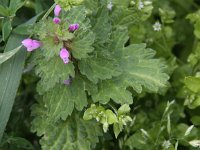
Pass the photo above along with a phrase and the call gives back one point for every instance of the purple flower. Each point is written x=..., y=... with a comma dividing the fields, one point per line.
x=31, y=44
x=64, y=55
x=56, y=20
x=67, y=82
x=57, y=10
x=73, y=27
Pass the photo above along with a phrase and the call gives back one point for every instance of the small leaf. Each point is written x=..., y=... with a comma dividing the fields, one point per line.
x=188, y=131
x=195, y=143
x=111, y=117
x=124, y=109
x=144, y=132
x=117, y=129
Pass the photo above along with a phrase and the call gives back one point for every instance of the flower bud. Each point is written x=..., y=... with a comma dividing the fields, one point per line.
x=56, y=20
x=57, y=10
x=64, y=55
x=73, y=27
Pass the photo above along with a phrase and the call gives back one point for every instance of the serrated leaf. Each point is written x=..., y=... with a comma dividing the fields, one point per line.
x=50, y=48
x=73, y=134
x=78, y=15
x=140, y=69
x=112, y=90
x=105, y=62
x=46, y=28
x=99, y=68
x=102, y=27
x=82, y=45
x=52, y=72
x=62, y=99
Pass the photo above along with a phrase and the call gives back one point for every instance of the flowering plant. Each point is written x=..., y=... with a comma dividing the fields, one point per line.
x=101, y=72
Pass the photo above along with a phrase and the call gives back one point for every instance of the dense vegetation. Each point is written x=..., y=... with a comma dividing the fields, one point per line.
x=99, y=74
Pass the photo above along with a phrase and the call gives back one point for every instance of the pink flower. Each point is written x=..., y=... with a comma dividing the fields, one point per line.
x=31, y=44
x=64, y=55
x=57, y=10
x=56, y=20
x=73, y=27
x=67, y=82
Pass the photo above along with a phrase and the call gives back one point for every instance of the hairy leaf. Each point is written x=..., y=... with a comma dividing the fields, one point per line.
x=139, y=70
x=52, y=72
x=72, y=134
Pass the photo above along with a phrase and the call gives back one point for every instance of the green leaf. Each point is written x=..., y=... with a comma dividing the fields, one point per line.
x=72, y=134
x=111, y=117
x=140, y=70
x=15, y=5
x=105, y=62
x=193, y=84
x=195, y=120
x=50, y=48
x=52, y=72
x=102, y=27
x=82, y=45
x=4, y=11
x=10, y=76
x=99, y=67
x=59, y=102
x=78, y=15
x=6, y=30
x=67, y=5
x=117, y=129
x=124, y=109
x=195, y=18
x=7, y=55
x=112, y=89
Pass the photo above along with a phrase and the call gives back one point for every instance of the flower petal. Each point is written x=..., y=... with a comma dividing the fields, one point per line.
x=64, y=55
x=56, y=20
x=57, y=10
x=27, y=43
x=73, y=27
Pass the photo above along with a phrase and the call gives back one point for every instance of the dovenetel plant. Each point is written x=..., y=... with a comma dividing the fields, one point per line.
x=103, y=74
x=85, y=58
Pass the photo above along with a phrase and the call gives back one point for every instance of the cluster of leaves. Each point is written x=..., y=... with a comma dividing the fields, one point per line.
x=110, y=67
x=107, y=117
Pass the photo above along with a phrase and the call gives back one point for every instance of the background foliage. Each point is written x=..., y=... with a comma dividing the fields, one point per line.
x=128, y=80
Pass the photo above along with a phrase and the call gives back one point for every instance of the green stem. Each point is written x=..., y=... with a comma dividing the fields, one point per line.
x=49, y=11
